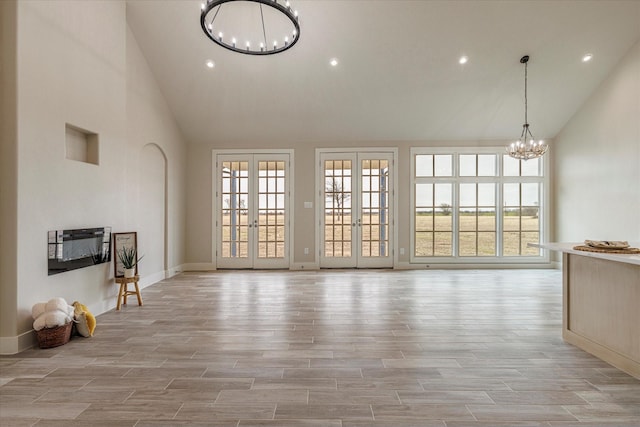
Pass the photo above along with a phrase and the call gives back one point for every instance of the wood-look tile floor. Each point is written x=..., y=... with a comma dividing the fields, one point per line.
x=328, y=348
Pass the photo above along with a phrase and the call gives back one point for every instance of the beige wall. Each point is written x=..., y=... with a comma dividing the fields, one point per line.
x=199, y=232
x=597, y=161
x=8, y=171
x=79, y=64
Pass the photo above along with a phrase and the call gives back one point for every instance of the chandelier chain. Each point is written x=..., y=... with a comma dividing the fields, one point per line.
x=264, y=31
x=215, y=15
x=526, y=121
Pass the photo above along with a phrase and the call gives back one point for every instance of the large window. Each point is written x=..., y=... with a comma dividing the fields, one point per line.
x=477, y=205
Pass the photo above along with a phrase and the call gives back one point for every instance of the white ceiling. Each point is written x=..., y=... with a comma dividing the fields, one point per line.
x=398, y=76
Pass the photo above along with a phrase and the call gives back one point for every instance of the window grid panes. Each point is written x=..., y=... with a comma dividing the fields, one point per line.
x=521, y=218
x=337, y=208
x=427, y=165
x=375, y=208
x=457, y=212
x=477, y=219
x=235, y=197
x=271, y=209
x=433, y=219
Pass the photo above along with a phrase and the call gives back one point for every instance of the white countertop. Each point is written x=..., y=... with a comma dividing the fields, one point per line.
x=568, y=248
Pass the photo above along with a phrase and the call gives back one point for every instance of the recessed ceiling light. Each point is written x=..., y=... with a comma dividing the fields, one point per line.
x=587, y=57
x=333, y=62
x=463, y=59
x=210, y=63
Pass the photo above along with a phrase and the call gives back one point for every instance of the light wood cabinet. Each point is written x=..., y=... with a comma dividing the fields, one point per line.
x=601, y=305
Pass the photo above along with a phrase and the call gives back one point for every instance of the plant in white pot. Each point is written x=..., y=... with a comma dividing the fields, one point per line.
x=129, y=259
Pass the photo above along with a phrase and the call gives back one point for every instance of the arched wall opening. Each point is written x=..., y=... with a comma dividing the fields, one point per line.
x=153, y=209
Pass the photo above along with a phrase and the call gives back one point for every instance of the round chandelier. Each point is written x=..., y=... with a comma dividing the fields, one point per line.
x=526, y=147
x=251, y=27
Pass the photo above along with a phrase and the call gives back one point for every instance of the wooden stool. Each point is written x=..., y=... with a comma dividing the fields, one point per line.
x=124, y=292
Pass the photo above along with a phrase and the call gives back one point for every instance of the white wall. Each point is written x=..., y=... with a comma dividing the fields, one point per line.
x=8, y=173
x=79, y=64
x=597, y=161
x=151, y=198
x=159, y=143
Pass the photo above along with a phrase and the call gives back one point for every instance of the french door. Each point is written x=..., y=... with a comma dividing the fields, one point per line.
x=252, y=203
x=356, y=210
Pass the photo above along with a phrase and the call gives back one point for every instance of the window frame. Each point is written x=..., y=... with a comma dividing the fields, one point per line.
x=499, y=180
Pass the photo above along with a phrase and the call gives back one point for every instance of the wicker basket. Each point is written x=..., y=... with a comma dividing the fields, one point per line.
x=54, y=337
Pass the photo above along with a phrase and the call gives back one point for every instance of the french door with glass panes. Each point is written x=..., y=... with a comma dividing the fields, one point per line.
x=252, y=202
x=356, y=215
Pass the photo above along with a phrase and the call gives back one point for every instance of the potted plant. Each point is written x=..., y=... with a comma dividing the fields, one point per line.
x=128, y=258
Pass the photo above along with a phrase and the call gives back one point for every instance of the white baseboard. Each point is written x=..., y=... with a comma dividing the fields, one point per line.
x=304, y=266
x=199, y=266
x=456, y=266
x=404, y=266
x=9, y=345
x=22, y=342
x=174, y=271
x=152, y=278
x=204, y=266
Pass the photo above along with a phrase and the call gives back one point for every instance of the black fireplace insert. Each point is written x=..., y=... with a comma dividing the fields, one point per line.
x=73, y=249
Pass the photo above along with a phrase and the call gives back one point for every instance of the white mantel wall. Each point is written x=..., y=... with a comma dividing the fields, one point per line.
x=78, y=63
x=71, y=69
x=597, y=161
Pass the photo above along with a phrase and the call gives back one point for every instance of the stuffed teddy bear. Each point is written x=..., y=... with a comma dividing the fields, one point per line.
x=85, y=321
x=55, y=312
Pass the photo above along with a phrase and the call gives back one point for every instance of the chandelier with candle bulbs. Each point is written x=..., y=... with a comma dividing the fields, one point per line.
x=251, y=27
x=526, y=147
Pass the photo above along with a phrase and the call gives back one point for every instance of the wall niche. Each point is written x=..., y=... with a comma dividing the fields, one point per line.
x=81, y=145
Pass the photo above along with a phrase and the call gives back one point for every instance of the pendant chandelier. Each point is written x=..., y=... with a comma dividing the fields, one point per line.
x=526, y=147
x=251, y=27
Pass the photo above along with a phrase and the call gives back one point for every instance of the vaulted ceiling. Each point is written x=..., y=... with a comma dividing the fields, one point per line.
x=398, y=76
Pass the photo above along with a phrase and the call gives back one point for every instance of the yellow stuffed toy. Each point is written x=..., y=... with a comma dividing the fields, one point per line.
x=85, y=321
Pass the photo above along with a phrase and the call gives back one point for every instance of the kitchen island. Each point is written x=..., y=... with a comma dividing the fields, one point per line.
x=601, y=304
